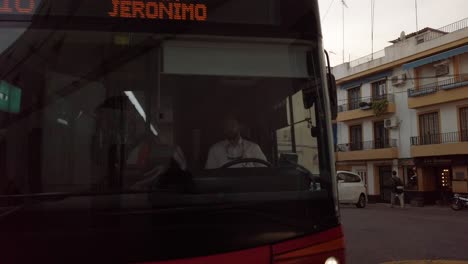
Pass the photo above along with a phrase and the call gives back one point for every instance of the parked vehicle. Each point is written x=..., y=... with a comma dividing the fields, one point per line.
x=351, y=189
x=459, y=202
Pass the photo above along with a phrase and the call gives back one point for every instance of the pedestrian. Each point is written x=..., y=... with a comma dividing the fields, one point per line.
x=397, y=190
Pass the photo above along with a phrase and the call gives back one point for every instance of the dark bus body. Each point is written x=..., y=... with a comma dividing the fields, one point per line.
x=109, y=110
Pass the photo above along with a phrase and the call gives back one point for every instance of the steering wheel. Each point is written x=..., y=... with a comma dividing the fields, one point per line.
x=247, y=160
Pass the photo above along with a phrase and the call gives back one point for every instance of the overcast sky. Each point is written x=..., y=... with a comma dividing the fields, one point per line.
x=391, y=17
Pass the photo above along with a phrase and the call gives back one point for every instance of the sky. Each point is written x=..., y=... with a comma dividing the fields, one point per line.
x=390, y=18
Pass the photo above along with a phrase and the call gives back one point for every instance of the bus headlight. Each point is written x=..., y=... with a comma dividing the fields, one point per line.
x=331, y=260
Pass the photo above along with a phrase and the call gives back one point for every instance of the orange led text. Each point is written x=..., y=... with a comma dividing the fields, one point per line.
x=158, y=10
x=17, y=6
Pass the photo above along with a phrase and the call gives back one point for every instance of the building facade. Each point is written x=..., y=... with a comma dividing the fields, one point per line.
x=408, y=111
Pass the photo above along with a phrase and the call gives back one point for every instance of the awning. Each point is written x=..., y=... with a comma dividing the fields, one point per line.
x=437, y=57
x=367, y=79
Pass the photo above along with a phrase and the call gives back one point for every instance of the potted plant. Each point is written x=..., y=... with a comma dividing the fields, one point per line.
x=379, y=107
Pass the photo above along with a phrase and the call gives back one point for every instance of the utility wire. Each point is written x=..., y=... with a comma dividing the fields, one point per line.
x=328, y=9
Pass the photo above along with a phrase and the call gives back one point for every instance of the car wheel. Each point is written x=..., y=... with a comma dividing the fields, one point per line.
x=361, y=202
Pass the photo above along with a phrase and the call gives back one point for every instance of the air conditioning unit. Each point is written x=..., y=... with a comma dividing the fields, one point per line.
x=391, y=122
x=398, y=79
x=441, y=68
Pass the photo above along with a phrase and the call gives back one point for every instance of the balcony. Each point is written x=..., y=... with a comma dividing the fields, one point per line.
x=450, y=90
x=368, y=150
x=453, y=143
x=360, y=108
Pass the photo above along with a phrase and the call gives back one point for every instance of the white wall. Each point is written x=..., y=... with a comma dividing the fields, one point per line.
x=448, y=118
x=366, y=90
x=370, y=178
x=367, y=129
x=426, y=71
x=406, y=116
x=342, y=133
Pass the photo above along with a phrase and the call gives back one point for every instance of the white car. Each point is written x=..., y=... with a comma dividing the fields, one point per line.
x=351, y=189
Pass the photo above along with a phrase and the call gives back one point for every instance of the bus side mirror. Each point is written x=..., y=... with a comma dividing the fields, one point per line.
x=332, y=93
x=309, y=93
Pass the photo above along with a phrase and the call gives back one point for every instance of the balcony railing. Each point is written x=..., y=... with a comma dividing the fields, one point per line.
x=452, y=83
x=349, y=105
x=367, y=145
x=459, y=25
x=440, y=138
x=367, y=58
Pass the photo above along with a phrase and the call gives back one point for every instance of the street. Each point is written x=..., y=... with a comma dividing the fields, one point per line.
x=379, y=233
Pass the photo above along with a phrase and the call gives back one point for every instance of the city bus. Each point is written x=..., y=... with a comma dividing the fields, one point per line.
x=166, y=131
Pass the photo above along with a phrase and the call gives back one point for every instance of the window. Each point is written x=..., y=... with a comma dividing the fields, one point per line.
x=356, y=137
x=379, y=90
x=420, y=39
x=464, y=124
x=341, y=177
x=354, y=98
x=380, y=135
x=348, y=177
x=429, y=128
x=351, y=178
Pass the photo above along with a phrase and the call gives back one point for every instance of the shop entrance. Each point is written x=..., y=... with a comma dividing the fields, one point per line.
x=386, y=183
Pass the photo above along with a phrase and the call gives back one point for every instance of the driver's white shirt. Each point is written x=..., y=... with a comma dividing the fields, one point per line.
x=224, y=152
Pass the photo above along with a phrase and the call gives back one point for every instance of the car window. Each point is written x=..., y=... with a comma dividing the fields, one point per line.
x=341, y=177
x=352, y=178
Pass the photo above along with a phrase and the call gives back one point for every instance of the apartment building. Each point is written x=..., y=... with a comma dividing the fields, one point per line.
x=405, y=108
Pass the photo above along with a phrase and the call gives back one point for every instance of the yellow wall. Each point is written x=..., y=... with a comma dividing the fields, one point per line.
x=359, y=114
x=440, y=97
x=344, y=167
x=460, y=186
x=364, y=155
x=440, y=149
x=419, y=172
x=428, y=182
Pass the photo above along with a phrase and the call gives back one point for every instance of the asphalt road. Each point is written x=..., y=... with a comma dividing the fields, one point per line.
x=379, y=234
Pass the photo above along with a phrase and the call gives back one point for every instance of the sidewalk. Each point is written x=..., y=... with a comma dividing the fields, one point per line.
x=428, y=262
x=387, y=205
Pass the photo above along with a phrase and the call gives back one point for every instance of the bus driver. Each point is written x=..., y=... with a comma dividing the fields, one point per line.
x=234, y=147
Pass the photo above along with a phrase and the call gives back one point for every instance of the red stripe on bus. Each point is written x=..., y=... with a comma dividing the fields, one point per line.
x=310, y=251
x=319, y=258
x=307, y=241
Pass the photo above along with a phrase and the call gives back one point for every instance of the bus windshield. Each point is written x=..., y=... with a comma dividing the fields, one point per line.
x=162, y=132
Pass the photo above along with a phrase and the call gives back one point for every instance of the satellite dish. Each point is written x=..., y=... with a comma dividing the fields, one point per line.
x=402, y=35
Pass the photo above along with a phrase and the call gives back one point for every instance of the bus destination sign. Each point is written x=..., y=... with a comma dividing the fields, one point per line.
x=17, y=7
x=162, y=10
x=260, y=12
